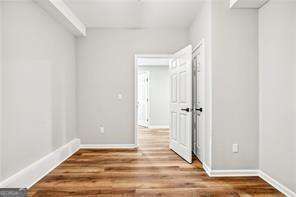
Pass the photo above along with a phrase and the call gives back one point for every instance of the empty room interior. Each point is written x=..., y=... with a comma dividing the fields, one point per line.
x=148, y=98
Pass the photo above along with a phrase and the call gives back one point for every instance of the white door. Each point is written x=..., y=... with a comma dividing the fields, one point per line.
x=181, y=103
x=143, y=99
x=198, y=97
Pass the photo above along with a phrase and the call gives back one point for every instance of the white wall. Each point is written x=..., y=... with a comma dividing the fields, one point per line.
x=201, y=29
x=238, y=83
x=105, y=61
x=38, y=85
x=235, y=86
x=277, y=79
x=159, y=94
x=231, y=45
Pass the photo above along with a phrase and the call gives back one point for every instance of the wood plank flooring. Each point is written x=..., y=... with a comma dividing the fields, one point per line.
x=151, y=170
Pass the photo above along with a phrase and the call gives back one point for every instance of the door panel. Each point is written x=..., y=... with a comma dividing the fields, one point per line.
x=181, y=100
x=174, y=88
x=182, y=87
x=183, y=123
x=174, y=125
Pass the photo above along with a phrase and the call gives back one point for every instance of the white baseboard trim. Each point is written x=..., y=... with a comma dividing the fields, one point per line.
x=230, y=173
x=233, y=173
x=30, y=175
x=158, y=126
x=244, y=173
x=207, y=169
x=288, y=192
x=108, y=146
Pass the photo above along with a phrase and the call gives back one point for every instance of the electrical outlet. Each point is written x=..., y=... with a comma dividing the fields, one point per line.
x=235, y=148
x=102, y=130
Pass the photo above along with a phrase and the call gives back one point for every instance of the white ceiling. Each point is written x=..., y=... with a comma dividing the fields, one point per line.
x=135, y=13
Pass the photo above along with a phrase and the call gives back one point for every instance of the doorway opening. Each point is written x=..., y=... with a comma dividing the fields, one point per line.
x=152, y=94
x=169, y=101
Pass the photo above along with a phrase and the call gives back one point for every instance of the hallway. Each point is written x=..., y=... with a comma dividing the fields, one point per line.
x=150, y=170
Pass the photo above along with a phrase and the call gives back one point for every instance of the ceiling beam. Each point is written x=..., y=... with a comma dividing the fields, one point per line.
x=247, y=4
x=62, y=13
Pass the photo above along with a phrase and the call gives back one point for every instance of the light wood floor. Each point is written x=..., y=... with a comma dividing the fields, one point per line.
x=151, y=170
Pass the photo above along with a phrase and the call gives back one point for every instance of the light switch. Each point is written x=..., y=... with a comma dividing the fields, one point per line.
x=235, y=148
x=119, y=96
x=102, y=130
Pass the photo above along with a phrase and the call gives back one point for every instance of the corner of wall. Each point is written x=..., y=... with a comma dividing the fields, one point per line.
x=76, y=86
x=200, y=29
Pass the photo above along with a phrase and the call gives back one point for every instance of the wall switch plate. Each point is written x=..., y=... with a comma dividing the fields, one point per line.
x=102, y=130
x=119, y=96
x=235, y=148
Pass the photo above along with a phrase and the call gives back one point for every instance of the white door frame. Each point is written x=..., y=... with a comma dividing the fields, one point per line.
x=136, y=88
x=202, y=89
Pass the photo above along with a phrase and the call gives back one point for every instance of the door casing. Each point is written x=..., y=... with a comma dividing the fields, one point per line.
x=201, y=89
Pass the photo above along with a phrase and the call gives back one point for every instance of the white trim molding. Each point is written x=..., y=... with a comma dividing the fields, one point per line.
x=158, y=126
x=207, y=169
x=30, y=175
x=233, y=173
x=229, y=173
x=250, y=173
x=108, y=146
x=288, y=192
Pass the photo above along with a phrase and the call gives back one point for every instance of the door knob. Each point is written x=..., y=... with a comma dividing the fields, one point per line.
x=199, y=109
x=186, y=109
